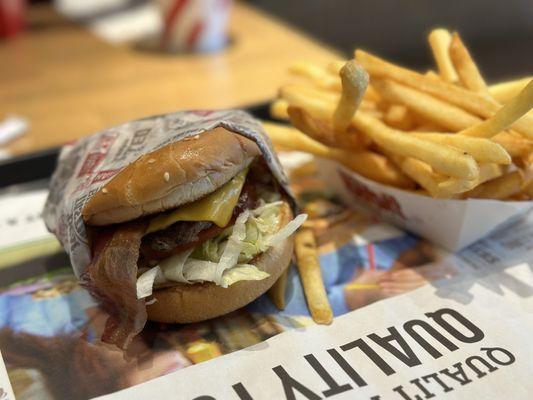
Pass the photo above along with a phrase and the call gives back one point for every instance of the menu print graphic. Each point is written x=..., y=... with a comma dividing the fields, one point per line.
x=416, y=346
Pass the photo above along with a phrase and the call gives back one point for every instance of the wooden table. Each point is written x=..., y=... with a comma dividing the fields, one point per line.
x=68, y=83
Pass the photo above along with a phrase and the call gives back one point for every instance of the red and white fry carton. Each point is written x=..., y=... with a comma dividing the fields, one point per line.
x=194, y=25
x=451, y=224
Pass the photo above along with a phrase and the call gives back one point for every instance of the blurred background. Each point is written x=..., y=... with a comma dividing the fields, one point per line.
x=69, y=68
x=499, y=33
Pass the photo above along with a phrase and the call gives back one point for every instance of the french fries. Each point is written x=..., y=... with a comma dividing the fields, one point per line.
x=486, y=173
x=448, y=134
x=278, y=109
x=311, y=277
x=509, y=113
x=440, y=41
x=444, y=159
x=444, y=134
x=399, y=117
x=516, y=145
x=422, y=173
x=354, y=81
x=465, y=66
x=367, y=163
x=482, y=150
x=277, y=292
x=505, y=91
x=323, y=131
x=500, y=188
x=429, y=107
x=319, y=76
x=473, y=102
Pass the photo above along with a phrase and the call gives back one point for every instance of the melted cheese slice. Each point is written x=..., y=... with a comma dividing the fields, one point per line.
x=216, y=207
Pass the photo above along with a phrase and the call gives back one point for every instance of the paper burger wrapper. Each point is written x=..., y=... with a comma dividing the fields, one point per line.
x=84, y=167
x=451, y=224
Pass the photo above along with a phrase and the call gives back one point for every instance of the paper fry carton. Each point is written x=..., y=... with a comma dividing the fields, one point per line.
x=452, y=224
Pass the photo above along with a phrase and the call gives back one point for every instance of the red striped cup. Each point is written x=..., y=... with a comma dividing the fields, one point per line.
x=194, y=25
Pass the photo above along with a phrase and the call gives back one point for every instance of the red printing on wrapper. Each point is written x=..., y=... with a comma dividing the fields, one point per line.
x=97, y=155
x=363, y=192
x=105, y=175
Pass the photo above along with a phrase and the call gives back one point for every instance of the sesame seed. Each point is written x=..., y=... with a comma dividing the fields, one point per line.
x=104, y=190
x=166, y=176
x=196, y=137
x=151, y=161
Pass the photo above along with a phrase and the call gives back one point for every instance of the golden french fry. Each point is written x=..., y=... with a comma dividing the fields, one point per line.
x=277, y=292
x=318, y=107
x=316, y=74
x=528, y=188
x=366, y=163
x=514, y=143
x=334, y=67
x=373, y=166
x=505, y=91
x=371, y=94
x=323, y=131
x=443, y=159
x=432, y=74
x=429, y=107
x=499, y=188
x=311, y=277
x=519, y=197
x=428, y=127
x=354, y=83
x=475, y=103
x=398, y=117
x=439, y=41
x=292, y=139
x=368, y=105
x=482, y=150
x=313, y=92
x=424, y=175
x=375, y=113
x=505, y=116
x=278, y=109
x=306, y=69
x=465, y=66
x=317, y=104
x=486, y=173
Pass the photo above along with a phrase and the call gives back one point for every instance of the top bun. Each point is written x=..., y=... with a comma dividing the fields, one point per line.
x=176, y=174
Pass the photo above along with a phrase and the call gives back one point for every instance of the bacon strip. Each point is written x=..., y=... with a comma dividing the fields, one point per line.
x=112, y=277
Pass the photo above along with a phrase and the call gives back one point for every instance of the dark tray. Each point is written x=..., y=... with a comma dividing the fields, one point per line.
x=40, y=165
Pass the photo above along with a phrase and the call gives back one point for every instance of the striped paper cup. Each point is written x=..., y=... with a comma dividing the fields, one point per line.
x=194, y=25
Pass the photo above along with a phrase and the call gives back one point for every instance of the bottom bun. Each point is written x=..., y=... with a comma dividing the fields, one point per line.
x=198, y=302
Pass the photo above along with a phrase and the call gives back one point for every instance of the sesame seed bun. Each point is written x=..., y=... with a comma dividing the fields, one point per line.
x=176, y=174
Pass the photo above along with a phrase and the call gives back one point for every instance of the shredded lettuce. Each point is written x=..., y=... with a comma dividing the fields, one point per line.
x=172, y=266
x=233, y=247
x=225, y=258
x=147, y=281
x=243, y=272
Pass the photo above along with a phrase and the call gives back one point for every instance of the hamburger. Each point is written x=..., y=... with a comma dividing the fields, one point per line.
x=191, y=231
